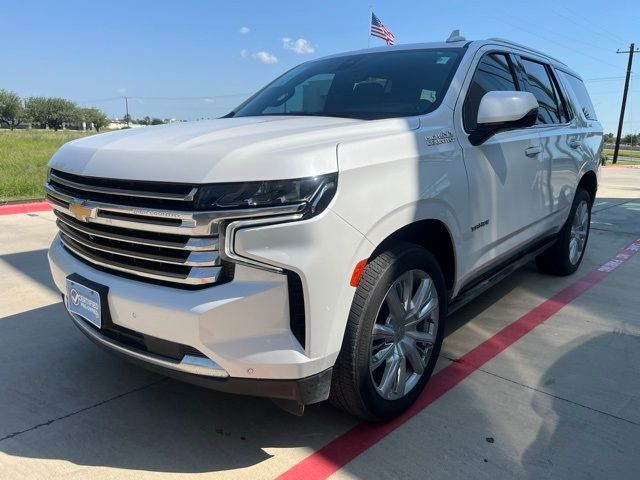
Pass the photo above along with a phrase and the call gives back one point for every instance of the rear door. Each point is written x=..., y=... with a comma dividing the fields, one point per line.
x=586, y=132
x=506, y=174
x=560, y=138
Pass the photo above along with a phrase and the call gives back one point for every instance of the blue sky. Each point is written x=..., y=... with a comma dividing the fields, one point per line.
x=194, y=59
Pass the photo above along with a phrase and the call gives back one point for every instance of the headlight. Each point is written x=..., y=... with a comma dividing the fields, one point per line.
x=315, y=192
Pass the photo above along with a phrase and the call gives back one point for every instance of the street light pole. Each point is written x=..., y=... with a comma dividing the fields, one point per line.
x=126, y=107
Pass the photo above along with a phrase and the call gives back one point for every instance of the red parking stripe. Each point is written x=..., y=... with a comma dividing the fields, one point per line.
x=340, y=451
x=24, y=208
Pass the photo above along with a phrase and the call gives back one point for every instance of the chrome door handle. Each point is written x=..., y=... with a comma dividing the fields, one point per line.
x=532, y=151
x=574, y=143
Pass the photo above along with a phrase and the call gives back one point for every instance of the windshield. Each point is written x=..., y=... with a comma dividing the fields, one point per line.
x=366, y=86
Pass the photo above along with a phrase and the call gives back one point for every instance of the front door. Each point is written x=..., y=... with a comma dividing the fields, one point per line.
x=507, y=175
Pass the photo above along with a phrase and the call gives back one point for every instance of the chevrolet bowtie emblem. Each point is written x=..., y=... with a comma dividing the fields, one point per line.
x=80, y=211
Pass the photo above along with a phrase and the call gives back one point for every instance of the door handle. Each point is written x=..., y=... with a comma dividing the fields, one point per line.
x=575, y=143
x=532, y=151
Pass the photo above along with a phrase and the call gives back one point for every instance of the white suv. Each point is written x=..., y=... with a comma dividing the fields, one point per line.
x=310, y=244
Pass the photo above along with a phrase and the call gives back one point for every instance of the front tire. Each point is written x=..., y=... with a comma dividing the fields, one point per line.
x=565, y=255
x=393, y=335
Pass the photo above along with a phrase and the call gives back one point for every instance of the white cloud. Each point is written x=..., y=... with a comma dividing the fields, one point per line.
x=300, y=45
x=122, y=90
x=208, y=100
x=265, y=57
x=244, y=30
x=244, y=53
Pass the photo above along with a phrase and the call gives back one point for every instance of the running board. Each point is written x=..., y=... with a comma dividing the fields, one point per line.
x=500, y=274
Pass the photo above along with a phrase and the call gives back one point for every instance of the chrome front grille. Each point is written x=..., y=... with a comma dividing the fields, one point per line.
x=147, y=229
x=124, y=227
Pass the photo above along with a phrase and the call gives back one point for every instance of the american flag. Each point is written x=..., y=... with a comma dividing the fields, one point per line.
x=379, y=30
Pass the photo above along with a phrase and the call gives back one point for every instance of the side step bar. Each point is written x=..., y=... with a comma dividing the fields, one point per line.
x=488, y=280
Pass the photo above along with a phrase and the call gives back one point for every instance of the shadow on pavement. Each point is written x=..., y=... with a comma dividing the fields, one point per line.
x=33, y=263
x=62, y=398
x=617, y=215
x=591, y=411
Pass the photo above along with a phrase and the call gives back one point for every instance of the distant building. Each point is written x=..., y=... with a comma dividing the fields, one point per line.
x=119, y=125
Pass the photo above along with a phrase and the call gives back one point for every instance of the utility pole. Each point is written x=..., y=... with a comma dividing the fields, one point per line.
x=126, y=107
x=631, y=51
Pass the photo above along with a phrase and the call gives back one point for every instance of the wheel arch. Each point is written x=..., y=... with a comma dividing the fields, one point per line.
x=433, y=235
x=589, y=181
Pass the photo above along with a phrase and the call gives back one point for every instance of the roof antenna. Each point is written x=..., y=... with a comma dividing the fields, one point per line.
x=455, y=37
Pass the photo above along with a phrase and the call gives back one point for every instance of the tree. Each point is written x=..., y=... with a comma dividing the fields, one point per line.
x=36, y=110
x=11, y=109
x=93, y=116
x=156, y=121
x=52, y=112
x=630, y=139
x=127, y=118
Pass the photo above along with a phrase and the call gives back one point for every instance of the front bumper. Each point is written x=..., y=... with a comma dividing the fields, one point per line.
x=243, y=326
x=206, y=373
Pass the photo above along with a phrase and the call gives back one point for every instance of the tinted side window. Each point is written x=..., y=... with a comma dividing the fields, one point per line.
x=582, y=95
x=561, y=96
x=493, y=73
x=542, y=87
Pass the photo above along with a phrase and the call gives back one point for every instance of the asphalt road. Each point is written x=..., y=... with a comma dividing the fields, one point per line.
x=563, y=401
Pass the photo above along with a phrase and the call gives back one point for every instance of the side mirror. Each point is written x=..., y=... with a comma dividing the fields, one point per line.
x=502, y=110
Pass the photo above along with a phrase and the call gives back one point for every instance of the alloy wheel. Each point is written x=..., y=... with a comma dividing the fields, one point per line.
x=579, y=230
x=404, y=334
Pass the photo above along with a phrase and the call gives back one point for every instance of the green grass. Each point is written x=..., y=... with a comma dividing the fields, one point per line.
x=23, y=160
x=623, y=153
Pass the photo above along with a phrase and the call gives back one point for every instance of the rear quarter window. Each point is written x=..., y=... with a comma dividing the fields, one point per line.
x=581, y=95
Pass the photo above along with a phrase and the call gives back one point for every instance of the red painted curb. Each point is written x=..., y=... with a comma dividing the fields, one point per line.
x=24, y=208
x=340, y=451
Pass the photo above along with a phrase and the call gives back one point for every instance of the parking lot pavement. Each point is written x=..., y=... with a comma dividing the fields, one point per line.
x=561, y=402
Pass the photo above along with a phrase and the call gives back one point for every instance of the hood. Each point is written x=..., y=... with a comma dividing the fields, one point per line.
x=222, y=150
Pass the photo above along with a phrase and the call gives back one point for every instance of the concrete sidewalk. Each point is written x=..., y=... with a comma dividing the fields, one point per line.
x=562, y=402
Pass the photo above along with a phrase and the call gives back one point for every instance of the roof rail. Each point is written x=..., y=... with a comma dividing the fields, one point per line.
x=524, y=47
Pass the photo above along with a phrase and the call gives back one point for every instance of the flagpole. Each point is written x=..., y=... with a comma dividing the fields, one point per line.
x=369, y=26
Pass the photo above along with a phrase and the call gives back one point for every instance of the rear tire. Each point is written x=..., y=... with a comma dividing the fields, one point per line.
x=393, y=334
x=565, y=255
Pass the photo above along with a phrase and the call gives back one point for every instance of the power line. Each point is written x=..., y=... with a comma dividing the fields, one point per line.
x=589, y=24
x=561, y=45
x=607, y=79
x=573, y=39
x=610, y=92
